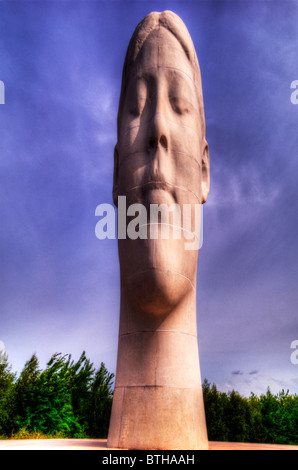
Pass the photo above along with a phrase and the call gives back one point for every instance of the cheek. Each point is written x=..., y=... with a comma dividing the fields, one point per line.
x=186, y=177
x=133, y=168
x=131, y=139
x=184, y=139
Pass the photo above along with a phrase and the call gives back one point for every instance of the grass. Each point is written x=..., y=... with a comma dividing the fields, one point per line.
x=24, y=433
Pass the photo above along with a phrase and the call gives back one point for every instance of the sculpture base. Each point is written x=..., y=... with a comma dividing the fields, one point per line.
x=177, y=420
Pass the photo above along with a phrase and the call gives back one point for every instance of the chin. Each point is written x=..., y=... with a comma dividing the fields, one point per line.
x=157, y=291
x=156, y=274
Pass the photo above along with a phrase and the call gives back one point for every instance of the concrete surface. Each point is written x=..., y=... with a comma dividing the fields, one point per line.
x=101, y=444
x=161, y=159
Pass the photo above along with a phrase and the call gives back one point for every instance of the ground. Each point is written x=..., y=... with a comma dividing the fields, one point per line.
x=101, y=444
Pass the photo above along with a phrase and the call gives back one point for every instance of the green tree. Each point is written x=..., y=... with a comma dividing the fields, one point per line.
x=49, y=408
x=68, y=398
x=238, y=417
x=215, y=404
x=100, y=403
x=24, y=388
x=81, y=378
x=257, y=433
x=280, y=417
x=7, y=401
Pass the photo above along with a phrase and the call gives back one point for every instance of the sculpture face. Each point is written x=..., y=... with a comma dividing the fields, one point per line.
x=160, y=155
x=161, y=160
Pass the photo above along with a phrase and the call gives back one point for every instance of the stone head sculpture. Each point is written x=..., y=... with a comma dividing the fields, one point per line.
x=161, y=158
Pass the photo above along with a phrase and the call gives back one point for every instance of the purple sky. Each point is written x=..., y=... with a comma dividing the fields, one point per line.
x=61, y=63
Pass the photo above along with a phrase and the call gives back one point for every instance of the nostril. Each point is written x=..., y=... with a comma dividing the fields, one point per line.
x=163, y=142
x=152, y=143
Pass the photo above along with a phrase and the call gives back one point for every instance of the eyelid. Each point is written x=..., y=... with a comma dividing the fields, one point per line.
x=137, y=97
x=180, y=105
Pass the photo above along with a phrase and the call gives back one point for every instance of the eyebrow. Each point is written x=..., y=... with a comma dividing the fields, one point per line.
x=140, y=75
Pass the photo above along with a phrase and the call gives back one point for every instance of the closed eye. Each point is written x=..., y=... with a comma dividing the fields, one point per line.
x=136, y=107
x=179, y=105
x=137, y=96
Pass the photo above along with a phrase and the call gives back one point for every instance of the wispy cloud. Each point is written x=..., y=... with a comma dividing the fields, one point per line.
x=62, y=65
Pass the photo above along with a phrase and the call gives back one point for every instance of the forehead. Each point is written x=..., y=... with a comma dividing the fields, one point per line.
x=162, y=50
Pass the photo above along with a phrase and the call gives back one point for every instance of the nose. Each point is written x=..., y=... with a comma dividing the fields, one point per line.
x=158, y=135
x=160, y=167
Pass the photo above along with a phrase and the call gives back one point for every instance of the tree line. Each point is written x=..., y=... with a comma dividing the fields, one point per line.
x=71, y=399
x=66, y=399
x=271, y=419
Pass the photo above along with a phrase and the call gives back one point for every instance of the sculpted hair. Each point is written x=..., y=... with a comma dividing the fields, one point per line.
x=175, y=25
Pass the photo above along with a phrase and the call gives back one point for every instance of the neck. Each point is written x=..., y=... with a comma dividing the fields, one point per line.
x=158, y=382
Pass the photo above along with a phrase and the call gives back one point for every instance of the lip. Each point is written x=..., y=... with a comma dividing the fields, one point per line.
x=152, y=192
x=158, y=192
x=153, y=185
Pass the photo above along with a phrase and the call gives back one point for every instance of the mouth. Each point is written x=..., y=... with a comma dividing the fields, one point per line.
x=151, y=185
x=158, y=192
